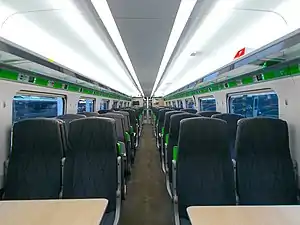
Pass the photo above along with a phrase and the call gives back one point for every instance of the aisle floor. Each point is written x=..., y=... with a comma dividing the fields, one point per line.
x=147, y=202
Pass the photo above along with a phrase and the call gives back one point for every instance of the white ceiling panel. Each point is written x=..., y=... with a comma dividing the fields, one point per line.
x=145, y=27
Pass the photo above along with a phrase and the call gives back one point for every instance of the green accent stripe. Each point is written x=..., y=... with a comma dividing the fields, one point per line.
x=175, y=153
x=41, y=81
x=10, y=75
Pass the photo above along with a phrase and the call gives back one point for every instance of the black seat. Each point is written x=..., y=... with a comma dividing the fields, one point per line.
x=160, y=126
x=202, y=165
x=103, y=111
x=264, y=166
x=208, y=113
x=193, y=111
x=89, y=114
x=34, y=168
x=231, y=120
x=67, y=118
x=166, y=136
x=173, y=138
x=127, y=135
x=92, y=166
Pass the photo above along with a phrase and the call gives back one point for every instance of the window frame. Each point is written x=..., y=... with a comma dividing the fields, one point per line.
x=39, y=94
x=89, y=98
x=250, y=92
x=206, y=97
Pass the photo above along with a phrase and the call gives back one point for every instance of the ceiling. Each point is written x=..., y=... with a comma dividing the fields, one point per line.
x=126, y=49
x=145, y=27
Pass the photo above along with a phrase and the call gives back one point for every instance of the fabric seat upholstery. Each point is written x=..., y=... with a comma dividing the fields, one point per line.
x=204, y=168
x=193, y=111
x=232, y=120
x=173, y=137
x=34, y=169
x=208, y=113
x=91, y=162
x=264, y=165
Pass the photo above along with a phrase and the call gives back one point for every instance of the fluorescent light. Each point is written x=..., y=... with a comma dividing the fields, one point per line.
x=212, y=23
x=185, y=9
x=23, y=32
x=105, y=14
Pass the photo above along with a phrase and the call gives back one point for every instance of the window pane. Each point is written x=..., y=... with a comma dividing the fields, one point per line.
x=252, y=105
x=208, y=104
x=25, y=106
x=190, y=104
x=85, y=105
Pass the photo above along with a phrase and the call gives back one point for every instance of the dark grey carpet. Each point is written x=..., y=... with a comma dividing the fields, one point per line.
x=147, y=202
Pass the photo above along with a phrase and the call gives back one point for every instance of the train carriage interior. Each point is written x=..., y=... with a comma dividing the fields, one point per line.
x=160, y=107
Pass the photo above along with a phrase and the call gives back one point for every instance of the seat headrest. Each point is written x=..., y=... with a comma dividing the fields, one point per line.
x=262, y=135
x=92, y=134
x=37, y=136
x=228, y=117
x=70, y=116
x=194, y=111
x=90, y=114
x=207, y=135
x=162, y=113
x=208, y=113
x=168, y=118
x=175, y=123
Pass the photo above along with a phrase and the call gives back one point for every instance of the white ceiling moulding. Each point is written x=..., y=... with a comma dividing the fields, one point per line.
x=185, y=9
x=212, y=23
x=93, y=58
x=106, y=16
x=224, y=31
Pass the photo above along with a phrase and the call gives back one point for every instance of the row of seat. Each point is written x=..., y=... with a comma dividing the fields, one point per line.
x=199, y=168
x=78, y=158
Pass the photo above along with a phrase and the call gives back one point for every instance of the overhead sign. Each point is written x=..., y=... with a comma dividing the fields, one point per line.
x=240, y=53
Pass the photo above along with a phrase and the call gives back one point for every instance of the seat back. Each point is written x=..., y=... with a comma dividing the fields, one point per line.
x=34, y=169
x=67, y=118
x=173, y=137
x=204, y=166
x=127, y=119
x=120, y=124
x=265, y=173
x=89, y=114
x=231, y=120
x=167, y=121
x=208, y=113
x=103, y=111
x=193, y=111
x=132, y=117
x=90, y=169
x=161, y=118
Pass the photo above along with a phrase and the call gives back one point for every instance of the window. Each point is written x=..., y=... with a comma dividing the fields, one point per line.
x=32, y=106
x=115, y=105
x=86, y=105
x=207, y=104
x=255, y=104
x=135, y=103
x=180, y=104
x=190, y=104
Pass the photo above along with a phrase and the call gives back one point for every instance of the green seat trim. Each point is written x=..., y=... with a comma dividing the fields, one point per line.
x=175, y=152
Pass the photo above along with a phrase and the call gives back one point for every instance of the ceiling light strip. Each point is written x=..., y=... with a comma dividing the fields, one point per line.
x=185, y=9
x=106, y=16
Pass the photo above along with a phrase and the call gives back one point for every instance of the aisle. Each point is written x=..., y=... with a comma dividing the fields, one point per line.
x=147, y=201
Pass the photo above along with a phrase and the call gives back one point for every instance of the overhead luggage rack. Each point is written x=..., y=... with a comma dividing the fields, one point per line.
x=280, y=53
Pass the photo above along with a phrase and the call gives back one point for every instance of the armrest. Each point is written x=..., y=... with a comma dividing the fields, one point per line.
x=121, y=148
x=175, y=197
x=119, y=176
x=174, y=184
